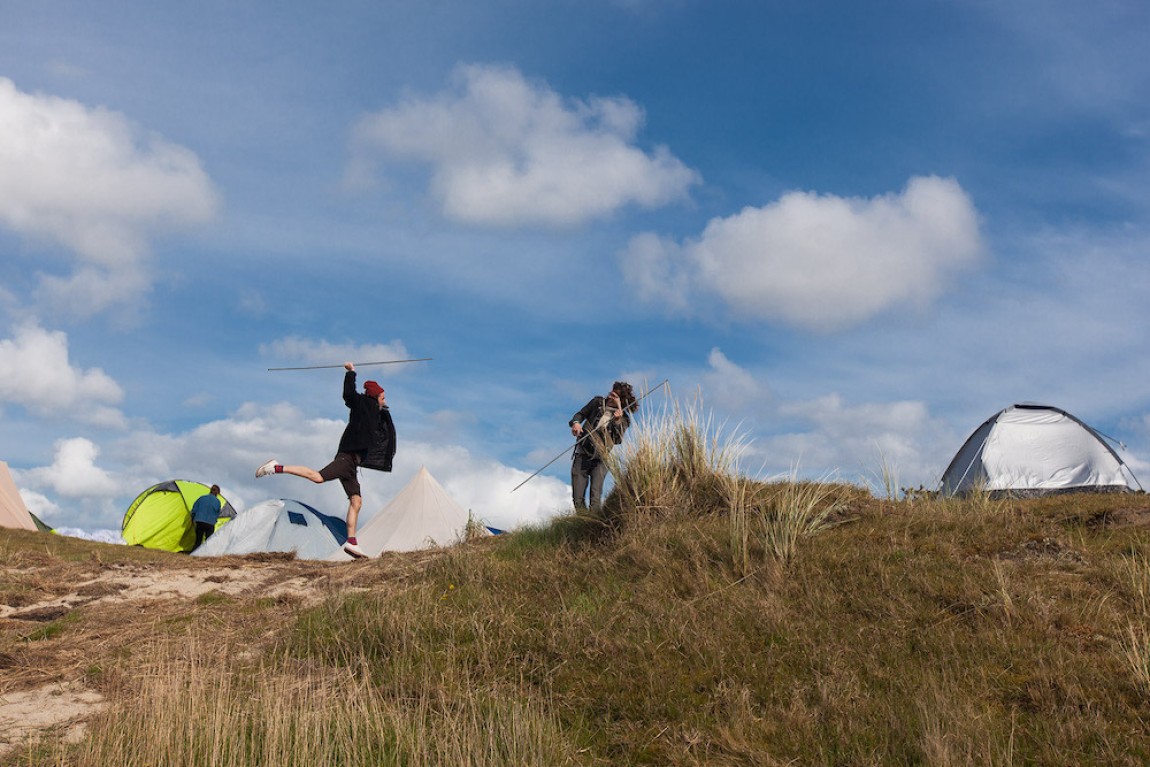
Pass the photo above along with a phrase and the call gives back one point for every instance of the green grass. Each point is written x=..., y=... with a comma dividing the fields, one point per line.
x=51, y=629
x=209, y=598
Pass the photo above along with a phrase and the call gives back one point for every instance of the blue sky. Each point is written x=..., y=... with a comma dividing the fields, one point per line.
x=854, y=231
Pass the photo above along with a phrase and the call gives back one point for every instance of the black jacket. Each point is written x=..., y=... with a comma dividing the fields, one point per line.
x=369, y=427
x=589, y=416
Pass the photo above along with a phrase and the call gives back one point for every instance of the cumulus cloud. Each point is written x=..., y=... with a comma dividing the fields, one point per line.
x=38, y=503
x=74, y=473
x=830, y=434
x=505, y=151
x=91, y=181
x=818, y=435
x=731, y=387
x=35, y=372
x=100, y=536
x=307, y=351
x=91, y=290
x=817, y=261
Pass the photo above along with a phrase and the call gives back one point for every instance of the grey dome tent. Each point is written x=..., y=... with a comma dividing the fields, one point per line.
x=278, y=525
x=1029, y=450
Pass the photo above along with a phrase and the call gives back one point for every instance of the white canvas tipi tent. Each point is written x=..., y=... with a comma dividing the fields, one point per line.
x=421, y=516
x=1031, y=449
x=280, y=525
x=13, y=512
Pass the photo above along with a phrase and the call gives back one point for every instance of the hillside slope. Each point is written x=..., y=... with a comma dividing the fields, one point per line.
x=912, y=632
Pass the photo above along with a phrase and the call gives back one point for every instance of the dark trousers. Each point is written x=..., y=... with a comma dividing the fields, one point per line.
x=587, y=472
x=204, y=531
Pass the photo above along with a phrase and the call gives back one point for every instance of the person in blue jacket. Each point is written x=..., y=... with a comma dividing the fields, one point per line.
x=205, y=513
x=369, y=429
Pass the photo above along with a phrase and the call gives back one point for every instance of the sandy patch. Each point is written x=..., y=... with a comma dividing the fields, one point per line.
x=112, y=588
x=64, y=706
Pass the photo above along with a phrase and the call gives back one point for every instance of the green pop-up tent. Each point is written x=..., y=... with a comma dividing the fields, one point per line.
x=160, y=517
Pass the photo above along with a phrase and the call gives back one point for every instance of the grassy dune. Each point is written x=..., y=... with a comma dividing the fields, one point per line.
x=703, y=618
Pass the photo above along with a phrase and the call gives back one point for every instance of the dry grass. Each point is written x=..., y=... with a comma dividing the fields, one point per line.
x=673, y=459
x=211, y=704
x=924, y=632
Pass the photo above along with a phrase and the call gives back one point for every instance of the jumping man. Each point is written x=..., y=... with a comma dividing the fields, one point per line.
x=369, y=423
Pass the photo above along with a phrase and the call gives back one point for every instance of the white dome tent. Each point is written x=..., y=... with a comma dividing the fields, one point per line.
x=1030, y=449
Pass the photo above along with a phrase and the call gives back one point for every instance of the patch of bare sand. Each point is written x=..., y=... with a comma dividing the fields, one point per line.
x=128, y=584
x=64, y=706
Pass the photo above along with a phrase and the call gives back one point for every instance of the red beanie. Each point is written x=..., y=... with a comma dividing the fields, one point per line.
x=372, y=389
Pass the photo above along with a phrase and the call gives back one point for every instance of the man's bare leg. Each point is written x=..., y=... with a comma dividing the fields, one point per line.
x=305, y=472
x=271, y=467
x=354, y=504
x=352, y=546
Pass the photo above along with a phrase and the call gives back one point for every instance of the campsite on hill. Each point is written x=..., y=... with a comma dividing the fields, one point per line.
x=701, y=618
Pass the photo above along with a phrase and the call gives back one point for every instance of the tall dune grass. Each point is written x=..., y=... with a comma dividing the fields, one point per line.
x=681, y=461
x=205, y=708
x=676, y=459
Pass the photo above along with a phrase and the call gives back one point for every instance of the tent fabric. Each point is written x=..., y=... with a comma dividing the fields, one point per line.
x=1030, y=449
x=13, y=513
x=278, y=525
x=160, y=517
x=421, y=516
x=41, y=525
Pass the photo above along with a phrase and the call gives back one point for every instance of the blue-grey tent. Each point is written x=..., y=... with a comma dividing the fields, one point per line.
x=280, y=525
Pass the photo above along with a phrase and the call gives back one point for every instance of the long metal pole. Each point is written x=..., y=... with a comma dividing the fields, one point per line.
x=586, y=434
x=357, y=364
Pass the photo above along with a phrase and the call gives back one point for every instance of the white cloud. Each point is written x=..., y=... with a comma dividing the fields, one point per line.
x=37, y=503
x=35, y=372
x=731, y=387
x=311, y=352
x=856, y=442
x=505, y=151
x=74, y=473
x=817, y=435
x=91, y=181
x=100, y=536
x=817, y=261
x=91, y=290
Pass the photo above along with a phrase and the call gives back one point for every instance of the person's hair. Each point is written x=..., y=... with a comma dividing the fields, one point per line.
x=215, y=490
x=627, y=399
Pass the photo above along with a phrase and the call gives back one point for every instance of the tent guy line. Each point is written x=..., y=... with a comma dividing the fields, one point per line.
x=639, y=399
x=357, y=364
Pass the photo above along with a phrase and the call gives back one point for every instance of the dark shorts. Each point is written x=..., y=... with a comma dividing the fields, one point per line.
x=344, y=468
